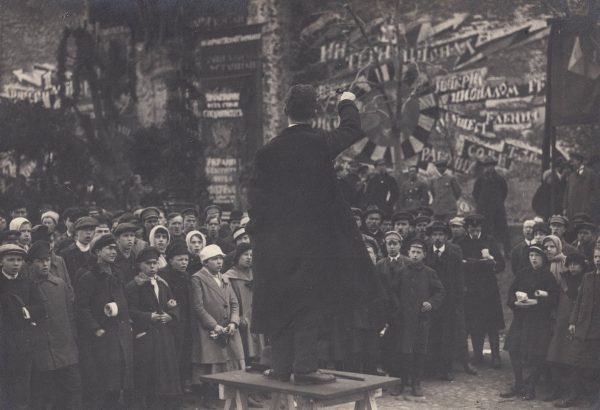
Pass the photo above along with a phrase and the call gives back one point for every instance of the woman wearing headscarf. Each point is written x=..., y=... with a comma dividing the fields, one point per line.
x=24, y=227
x=160, y=238
x=195, y=241
x=557, y=259
x=532, y=297
x=50, y=219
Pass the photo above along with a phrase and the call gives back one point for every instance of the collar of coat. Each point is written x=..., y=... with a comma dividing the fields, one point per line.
x=204, y=272
x=39, y=278
x=141, y=279
x=236, y=273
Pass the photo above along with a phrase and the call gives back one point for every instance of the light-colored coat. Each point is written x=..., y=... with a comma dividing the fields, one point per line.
x=213, y=305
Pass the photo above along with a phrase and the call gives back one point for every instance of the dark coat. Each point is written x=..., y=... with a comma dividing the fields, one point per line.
x=483, y=308
x=531, y=329
x=17, y=333
x=322, y=263
x=59, y=348
x=213, y=305
x=413, y=194
x=156, y=368
x=581, y=315
x=490, y=192
x=103, y=359
x=445, y=191
x=382, y=190
x=413, y=285
x=76, y=260
x=581, y=193
x=126, y=266
x=519, y=257
x=181, y=288
x=560, y=345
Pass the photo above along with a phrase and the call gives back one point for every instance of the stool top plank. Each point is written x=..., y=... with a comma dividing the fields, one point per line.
x=342, y=387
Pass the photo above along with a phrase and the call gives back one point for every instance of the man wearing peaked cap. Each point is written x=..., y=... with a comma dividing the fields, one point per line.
x=581, y=192
x=403, y=222
x=57, y=377
x=413, y=191
x=125, y=261
x=293, y=180
x=558, y=227
x=421, y=223
x=9, y=237
x=101, y=242
x=483, y=307
x=190, y=219
x=586, y=240
x=22, y=305
x=77, y=255
x=149, y=217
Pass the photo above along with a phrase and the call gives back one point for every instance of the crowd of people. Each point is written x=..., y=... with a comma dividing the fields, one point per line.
x=129, y=309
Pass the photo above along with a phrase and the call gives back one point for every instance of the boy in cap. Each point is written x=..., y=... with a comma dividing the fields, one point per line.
x=447, y=263
x=180, y=283
x=154, y=314
x=419, y=292
x=217, y=344
x=586, y=241
x=558, y=227
x=483, y=309
x=77, y=256
x=105, y=336
x=56, y=379
x=125, y=261
x=22, y=306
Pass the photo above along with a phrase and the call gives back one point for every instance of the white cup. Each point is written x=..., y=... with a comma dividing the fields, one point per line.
x=111, y=309
x=521, y=296
x=485, y=253
x=541, y=294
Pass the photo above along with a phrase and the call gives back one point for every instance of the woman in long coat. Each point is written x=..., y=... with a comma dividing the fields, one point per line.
x=105, y=342
x=531, y=329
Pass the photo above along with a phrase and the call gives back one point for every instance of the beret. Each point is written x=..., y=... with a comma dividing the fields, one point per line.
x=10, y=249
x=101, y=242
x=558, y=219
x=210, y=252
x=176, y=248
x=125, y=227
x=149, y=252
x=40, y=233
x=474, y=219
x=437, y=226
x=38, y=250
x=403, y=216
x=9, y=236
x=150, y=212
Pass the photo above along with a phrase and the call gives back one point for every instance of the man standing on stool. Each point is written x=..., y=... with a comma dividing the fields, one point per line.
x=309, y=258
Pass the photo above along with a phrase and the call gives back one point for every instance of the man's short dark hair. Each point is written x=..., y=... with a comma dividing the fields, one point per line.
x=301, y=102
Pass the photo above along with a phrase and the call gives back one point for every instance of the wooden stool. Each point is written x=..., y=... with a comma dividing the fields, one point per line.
x=360, y=389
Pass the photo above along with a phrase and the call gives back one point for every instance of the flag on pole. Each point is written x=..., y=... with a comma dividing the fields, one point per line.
x=574, y=71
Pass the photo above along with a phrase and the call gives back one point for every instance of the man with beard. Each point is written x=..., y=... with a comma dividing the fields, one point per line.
x=310, y=262
x=483, y=309
x=444, y=322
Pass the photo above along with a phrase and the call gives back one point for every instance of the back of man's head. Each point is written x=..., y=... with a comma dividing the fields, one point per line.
x=301, y=102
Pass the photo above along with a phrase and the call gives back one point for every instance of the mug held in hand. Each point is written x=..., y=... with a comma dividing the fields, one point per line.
x=485, y=254
x=111, y=309
x=521, y=296
x=541, y=294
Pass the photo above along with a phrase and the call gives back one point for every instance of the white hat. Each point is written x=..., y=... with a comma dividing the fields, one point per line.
x=239, y=232
x=16, y=223
x=50, y=214
x=244, y=221
x=210, y=252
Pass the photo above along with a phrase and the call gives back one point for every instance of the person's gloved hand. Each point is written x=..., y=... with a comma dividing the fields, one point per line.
x=347, y=95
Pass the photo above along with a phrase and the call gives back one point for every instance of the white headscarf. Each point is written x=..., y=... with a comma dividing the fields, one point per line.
x=16, y=223
x=188, y=240
x=162, y=262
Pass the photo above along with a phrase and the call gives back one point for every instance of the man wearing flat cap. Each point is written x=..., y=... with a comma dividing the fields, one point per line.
x=149, y=217
x=190, y=219
x=77, y=255
x=483, y=308
x=124, y=235
x=490, y=192
x=445, y=190
x=558, y=227
x=586, y=240
x=447, y=263
x=22, y=306
x=70, y=216
x=583, y=189
x=322, y=265
x=382, y=188
x=104, y=331
x=56, y=379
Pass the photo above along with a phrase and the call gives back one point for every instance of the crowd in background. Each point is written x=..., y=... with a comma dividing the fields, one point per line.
x=131, y=308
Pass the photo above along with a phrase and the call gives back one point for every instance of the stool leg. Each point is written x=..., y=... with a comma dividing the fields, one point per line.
x=241, y=400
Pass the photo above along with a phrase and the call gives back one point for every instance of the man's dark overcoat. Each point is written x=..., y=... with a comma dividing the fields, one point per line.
x=483, y=308
x=103, y=360
x=308, y=252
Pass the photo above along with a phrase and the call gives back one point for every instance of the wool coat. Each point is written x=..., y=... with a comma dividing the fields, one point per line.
x=581, y=194
x=490, y=192
x=449, y=269
x=581, y=315
x=181, y=288
x=155, y=357
x=519, y=257
x=307, y=250
x=126, y=266
x=213, y=305
x=560, y=345
x=483, y=308
x=414, y=284
x=58, y=328
x=383, y=191
x=242, y=284
x=531, y=329
x=76, y=260
x=413, y=194
x=106, y=361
